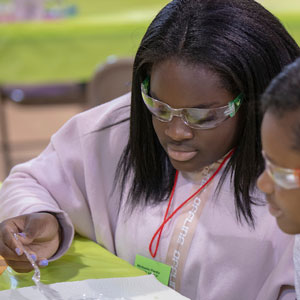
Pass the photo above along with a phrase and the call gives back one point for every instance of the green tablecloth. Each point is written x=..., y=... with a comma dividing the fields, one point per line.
x=84, y=260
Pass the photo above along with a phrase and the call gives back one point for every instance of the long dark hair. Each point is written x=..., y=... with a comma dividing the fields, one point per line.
x=240, y=41
x=283, y=96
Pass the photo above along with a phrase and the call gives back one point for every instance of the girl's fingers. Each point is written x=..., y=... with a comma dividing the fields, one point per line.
x=43, y=262
x=20, y=266
x=10, y=242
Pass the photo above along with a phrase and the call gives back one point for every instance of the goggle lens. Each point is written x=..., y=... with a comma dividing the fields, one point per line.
x=194, y=117
x=157, y=108
x=285, y=178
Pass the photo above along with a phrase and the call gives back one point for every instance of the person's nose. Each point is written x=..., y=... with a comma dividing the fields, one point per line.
x=178, y=131
x=265, y=183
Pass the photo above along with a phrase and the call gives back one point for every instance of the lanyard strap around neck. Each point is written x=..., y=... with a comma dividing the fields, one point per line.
x=168, y=218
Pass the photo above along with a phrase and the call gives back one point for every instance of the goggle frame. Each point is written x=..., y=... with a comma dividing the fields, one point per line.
x=222, y=113
x=283, y=177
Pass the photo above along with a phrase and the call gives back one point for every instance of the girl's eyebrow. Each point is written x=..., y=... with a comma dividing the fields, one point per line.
x=276, y=164
x=201, y=106
x=270, y=159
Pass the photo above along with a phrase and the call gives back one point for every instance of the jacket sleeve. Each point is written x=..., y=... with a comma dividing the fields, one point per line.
x=73, y=176
x=37, y=186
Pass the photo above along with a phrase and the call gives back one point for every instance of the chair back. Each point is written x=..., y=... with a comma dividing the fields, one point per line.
x=45, y=94
x=111, y=80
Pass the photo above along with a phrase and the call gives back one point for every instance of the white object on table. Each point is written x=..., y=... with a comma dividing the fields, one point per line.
x=130, y=288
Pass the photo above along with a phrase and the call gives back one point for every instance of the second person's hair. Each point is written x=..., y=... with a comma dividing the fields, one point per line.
x=283, y=96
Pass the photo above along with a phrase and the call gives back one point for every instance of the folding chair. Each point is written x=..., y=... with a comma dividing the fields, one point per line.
x=33, y=95
x=111, y=80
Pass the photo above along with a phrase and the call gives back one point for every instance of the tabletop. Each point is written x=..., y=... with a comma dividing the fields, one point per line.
x=84, y=260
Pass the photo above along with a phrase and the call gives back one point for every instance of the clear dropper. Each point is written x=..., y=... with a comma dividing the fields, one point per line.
x=37, y=273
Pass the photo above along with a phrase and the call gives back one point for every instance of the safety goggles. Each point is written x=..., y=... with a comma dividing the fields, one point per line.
x=285, y=178
x=197, y=118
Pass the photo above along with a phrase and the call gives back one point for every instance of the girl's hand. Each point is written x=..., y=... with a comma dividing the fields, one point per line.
x=39, y=234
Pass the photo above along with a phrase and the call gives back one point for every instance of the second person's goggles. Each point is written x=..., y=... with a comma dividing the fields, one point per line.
x=283, y=177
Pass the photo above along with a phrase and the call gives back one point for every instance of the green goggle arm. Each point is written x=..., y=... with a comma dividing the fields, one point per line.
x=234, y=105
x=146, y=84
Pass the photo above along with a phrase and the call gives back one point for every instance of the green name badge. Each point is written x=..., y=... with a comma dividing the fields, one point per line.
x=159, y=270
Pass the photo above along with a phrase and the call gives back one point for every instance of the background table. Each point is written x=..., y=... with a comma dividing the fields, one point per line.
x=84, y=260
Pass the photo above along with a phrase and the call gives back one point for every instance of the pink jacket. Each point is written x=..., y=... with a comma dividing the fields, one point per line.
x=74, y=177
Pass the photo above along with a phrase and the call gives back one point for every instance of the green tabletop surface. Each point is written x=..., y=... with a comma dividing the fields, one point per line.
x=84, y=260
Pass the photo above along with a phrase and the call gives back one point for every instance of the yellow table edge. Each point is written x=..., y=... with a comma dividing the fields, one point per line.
x=84, y=260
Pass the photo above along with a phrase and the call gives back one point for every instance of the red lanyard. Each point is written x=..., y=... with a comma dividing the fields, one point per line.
x=167, y=219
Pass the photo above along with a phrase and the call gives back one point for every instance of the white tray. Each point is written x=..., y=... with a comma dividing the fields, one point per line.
x=129, y=288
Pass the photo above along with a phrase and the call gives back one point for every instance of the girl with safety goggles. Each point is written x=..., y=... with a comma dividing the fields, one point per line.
x=169, y=171
x=280, y=180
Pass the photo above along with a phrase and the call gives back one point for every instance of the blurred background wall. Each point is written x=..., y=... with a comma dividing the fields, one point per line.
x=57, y=41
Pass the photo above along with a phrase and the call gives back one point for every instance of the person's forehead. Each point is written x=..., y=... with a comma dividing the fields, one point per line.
x=278, y=139
x=188, y=73
x=193, y=84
